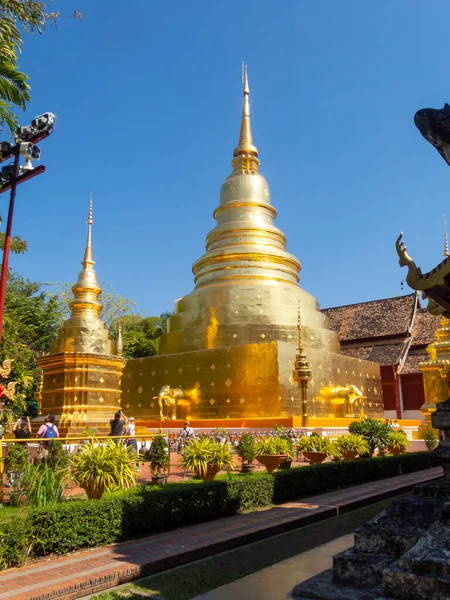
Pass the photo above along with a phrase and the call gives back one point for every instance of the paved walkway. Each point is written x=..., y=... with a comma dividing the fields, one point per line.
x=92, y=571
x=276, y=582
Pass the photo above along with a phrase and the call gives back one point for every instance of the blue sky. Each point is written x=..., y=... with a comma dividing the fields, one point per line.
x=148, y=99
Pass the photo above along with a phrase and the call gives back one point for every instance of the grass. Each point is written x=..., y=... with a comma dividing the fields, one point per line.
x=184, y=583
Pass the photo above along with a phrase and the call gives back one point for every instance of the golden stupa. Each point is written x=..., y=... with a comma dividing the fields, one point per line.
x=82, y=372
x=230, y=345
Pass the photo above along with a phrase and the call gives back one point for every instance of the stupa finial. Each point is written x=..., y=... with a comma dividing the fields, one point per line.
x=446, y=253
x=88, y=262
x=245, y=154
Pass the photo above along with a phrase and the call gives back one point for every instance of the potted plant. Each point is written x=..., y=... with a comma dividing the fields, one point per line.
x=96, y=468
x=246, y=450
x=350, y=446
x=398, y=442
x=272, y=451
x=206, y=457
x=375, y=432
x=281, y=432
x=431, y=439
x=159, y=457
x=315, y=448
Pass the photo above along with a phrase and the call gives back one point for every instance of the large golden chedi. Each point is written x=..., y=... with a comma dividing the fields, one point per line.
x=231, y=343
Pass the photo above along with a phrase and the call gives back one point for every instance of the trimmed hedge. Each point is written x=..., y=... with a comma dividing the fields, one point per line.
x=145, y=510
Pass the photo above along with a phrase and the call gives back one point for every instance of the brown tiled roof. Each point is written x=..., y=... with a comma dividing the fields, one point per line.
x=425, y=324
x=378, y=318
x=412, y=362
x=384, y=354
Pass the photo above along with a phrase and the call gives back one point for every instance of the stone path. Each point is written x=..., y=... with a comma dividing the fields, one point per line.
x=91, y=571
x=276, y=582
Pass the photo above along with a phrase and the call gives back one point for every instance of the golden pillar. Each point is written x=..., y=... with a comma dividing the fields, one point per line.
x=302, y=374
x=435, y=373
x=83, y=371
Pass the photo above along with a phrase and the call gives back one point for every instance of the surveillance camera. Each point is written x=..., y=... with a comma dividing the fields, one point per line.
x=31, y=152
x=44, y=122
x=25, y=133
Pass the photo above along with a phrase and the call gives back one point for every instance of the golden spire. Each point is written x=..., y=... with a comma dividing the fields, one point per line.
x=446, y=253
x=87, y=290
x=246, y=154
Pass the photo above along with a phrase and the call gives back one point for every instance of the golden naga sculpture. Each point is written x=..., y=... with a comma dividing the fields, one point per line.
x=9, y=390
x=342, y=397
x=5, y=369
x=414, y=272
x=169, y=398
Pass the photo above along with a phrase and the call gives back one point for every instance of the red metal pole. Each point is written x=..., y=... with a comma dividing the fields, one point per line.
x=6, y=249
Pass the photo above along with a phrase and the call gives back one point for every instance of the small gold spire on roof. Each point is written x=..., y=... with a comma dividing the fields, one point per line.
x=446, y=253
x=119, y=340
x=246, y=153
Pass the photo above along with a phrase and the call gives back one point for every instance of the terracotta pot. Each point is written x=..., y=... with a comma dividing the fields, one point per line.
x=271, y=461
x=248, y=468
x=350, y=455
x=211, y=472
x=315, y=458
x=394, y=451
x=160, y=479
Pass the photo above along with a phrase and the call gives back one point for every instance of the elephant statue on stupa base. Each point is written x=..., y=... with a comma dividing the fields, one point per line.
x=343, y=399
x=168, y=398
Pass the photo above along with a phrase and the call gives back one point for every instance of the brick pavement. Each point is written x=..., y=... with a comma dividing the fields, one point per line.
x=91, y=571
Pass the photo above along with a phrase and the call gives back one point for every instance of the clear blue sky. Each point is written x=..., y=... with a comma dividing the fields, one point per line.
x=148, y=99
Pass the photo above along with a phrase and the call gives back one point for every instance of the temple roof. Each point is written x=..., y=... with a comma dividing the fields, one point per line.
x=392, y=331
x=378, y=318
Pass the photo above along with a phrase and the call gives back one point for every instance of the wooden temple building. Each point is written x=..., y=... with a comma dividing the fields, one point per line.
x=393, y=332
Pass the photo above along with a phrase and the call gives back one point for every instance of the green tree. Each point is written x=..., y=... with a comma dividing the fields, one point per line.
x=139, y=334
x=114, y=306
x=17, y=16
x=375, y=433
x=31, y=322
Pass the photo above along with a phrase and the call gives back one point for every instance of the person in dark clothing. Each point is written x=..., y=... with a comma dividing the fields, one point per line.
x=22, y=429
x=117, y=425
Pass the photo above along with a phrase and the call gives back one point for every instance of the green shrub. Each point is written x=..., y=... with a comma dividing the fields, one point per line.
x=431, y=439
x=346, y=444
x=201, y=452
x=96, y=468
x=246, y=448
x=158, y=455
x=315, y=443
x=398, y=440
x=274, y=446
x=14, y=541
x=375, y=432
x=44, y=485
